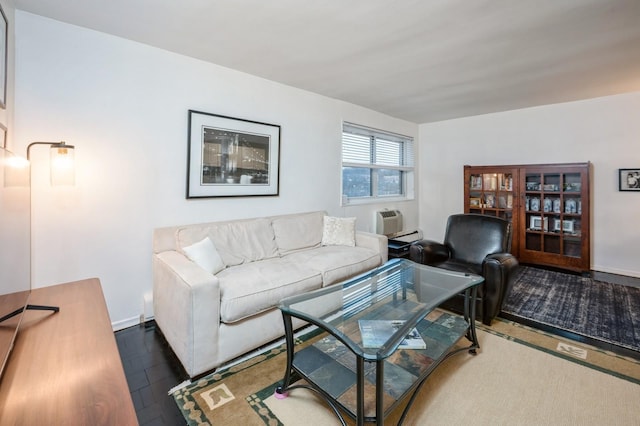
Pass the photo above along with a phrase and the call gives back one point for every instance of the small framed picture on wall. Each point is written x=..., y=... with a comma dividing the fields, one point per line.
x=629, y=179
x=4, y=35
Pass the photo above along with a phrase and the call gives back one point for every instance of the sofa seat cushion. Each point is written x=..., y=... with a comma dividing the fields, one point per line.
x=336, y=263
x=252, y=288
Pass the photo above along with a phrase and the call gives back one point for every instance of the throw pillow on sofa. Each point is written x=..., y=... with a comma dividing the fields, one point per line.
x=339, y=231
x=204, y=254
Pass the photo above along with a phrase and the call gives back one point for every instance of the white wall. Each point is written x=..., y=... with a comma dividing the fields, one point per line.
x=124, y=106
x=605, y=131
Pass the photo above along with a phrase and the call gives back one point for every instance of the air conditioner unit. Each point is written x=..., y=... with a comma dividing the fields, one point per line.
x=388, y=222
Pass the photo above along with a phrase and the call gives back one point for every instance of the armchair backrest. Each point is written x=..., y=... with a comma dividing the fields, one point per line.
x=471, y=237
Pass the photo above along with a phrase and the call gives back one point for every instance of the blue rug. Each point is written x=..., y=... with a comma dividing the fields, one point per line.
x=594, y=309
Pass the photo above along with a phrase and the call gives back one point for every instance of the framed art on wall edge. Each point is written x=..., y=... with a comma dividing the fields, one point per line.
x=629, y=179
x=231, y=157
x=4, y=35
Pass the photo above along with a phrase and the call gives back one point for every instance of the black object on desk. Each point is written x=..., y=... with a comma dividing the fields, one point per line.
x=398, y=249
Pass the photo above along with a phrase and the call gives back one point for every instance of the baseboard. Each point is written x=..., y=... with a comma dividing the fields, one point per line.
x=126, y=323
x=627, y=273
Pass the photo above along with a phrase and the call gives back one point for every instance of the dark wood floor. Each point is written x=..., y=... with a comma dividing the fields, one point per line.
x=151, y=369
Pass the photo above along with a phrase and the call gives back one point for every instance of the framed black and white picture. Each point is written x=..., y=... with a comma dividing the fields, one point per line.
x=4, y=36
x=538, y=223
x=629, y=179
x=232, y=157
x=567, y=226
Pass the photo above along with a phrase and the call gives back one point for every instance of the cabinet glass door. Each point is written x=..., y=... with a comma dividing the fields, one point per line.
x=491, y=194
x=553, y=212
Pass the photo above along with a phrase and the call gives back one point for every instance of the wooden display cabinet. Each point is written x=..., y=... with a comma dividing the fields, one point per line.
x=548, y=205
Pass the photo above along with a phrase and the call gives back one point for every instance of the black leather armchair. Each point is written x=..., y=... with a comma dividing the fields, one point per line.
x=478, y=244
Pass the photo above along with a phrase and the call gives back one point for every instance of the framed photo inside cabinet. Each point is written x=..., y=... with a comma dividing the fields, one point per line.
x=489, y=200
x=537, y=223
x=629, y=179
x=476, y=182
x=564, y=225
x=231, y=157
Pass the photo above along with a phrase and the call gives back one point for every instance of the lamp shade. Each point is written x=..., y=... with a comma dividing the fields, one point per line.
x=16, y=169
x=62, y=164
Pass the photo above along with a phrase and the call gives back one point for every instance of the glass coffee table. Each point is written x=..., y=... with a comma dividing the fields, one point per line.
x=367, y=380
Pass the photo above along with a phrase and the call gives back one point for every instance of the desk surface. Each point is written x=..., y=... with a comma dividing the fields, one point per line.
x=65, y=367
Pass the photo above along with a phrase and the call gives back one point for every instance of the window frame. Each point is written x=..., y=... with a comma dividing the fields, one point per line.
x=406, y=164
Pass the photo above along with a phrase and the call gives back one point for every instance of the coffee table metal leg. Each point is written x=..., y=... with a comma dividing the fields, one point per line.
x=360, y=390
x=470, y=299
x=380, y=392
x=281, y=391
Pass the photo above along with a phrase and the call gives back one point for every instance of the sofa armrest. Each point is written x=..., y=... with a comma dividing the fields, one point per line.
x=375, y=242
x=186, y=303
x=428, y=252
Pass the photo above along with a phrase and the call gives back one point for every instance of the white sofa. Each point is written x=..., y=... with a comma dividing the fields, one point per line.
x=211, y=317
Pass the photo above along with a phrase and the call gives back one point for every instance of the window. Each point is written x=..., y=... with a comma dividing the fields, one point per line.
x=375, y=164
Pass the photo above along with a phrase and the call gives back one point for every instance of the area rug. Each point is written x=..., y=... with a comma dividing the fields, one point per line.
x=598, y=310
x=521, y=376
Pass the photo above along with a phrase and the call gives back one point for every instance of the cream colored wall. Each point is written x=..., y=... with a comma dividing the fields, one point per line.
x=124, y=106
x=605, y=131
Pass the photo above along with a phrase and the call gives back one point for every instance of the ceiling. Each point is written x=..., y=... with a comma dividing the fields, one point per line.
x=421, y=61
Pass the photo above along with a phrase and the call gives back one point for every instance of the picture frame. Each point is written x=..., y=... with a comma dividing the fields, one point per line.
x=490, y=200
x=537, y=223
x=506, y=182
x=476, y=182
x=629, y=179
x=4, y=47
x=568, y=226
x=231, y=157
x=532, y=186
x=474, y=202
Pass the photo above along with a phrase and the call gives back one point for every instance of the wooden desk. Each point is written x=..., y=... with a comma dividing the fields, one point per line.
x=65, y=368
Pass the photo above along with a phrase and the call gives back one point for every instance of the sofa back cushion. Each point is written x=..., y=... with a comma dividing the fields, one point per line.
x=339, y=231
x=237, y=241
x=298, y=231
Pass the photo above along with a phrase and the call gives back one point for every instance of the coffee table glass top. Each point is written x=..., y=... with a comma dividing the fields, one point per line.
x=399, y=290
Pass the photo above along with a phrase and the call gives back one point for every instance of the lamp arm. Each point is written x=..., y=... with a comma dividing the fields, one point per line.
x=61, y=144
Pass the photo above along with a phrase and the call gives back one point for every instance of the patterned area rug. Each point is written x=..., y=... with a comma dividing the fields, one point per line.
x=598, y=310
x=581, y=378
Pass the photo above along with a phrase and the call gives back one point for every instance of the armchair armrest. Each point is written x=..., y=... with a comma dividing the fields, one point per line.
x=498, y=270
x=186, y=302
x=429, y=252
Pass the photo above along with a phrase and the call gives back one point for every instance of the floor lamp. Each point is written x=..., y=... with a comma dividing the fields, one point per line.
x=62, y=171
